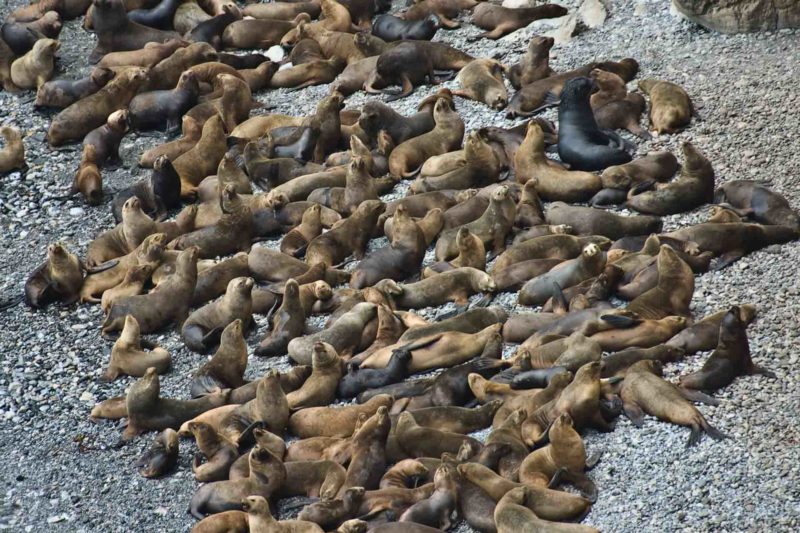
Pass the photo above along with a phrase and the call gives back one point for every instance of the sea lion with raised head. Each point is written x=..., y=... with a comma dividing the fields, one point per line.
x=479, y=167
x=349, y=236
x=33, y=69
x=320, y=387
x=88, y=181
x=156, y=110
x=62, y=93
x=157, y=194
x=202, y=329
x=219, y=452
x=673, y=293
x=225, y=370
x=128, y=357
x=534, y=64
x=288, y=322
x=703, y=335
x=106, y=138
x=116, y=32
x=589, y=264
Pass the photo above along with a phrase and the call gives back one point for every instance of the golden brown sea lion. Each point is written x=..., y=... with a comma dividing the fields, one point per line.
x=225, y=370
x=482, y=80
x=259, y=518
x=202, y=329
x=220, y=453
x=534, y=64
x=320, y=387
x=128, y=357
x=674, y=291
x=33, y=69
x=671, y=109
x=513, y=514
x=500, y=21
x=12, y=156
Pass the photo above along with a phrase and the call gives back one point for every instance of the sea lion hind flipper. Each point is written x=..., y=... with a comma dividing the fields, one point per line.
x=694, y=436
x=727, y=259
x=302, y=501
x=763, y=371
x=560, y=304
x=640, y=187
x=634, y=414
x=620, y=321
x=555, y=481
x=713, y=432
x=483, y=301
x=246, y=437
x=592, y=460
x=585, y=485
x=697, y=396
x=111, y=263
x=300, y=252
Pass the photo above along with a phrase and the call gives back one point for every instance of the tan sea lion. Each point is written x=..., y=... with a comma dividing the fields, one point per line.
x=12, y=156
x=349, y=236
x=220, y=453
x=656, y=166
x=320, y=387
x=225, y=370
x=673, y=293
x=558, y=246
x=643, y=333
x=500, y=21
x=35, y=68
x=146, y=57
x=201, y=330
x=480, y=168
x=259, y=518
x=191, y=133
x=132, y=284
x=456, y=286
x=482, y=80
x=471, y=253
x=534, y=64
x=671, y=109
x=513, y=514
x=270, y=406
x=420, y=441
x=334, y=421
x=299, y=237
x=128, y=357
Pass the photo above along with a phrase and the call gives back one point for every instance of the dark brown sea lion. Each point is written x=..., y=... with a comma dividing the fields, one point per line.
x=157, y=194
x=644, y=391
x=671, y=109
x=159, y=16
x=349, y=236
x=88, y=181
x=128, y=357
x=692, y=188
x=73, y=123
x=703, y=335
x=501, y=21
x=287, y=323
x=115, y=32
x=446, y=10
x=543, y=93
x=730, y=359
x=62, y=93
x=59, y=278
x=147, y=410
x=513, y=514
x=534, y=64
x=155, y=110
x=106, y=139
x=225, y=370
x=210, y=31
x=202, y=329
x=758, y=201
x=376, y=116
x=161, y=457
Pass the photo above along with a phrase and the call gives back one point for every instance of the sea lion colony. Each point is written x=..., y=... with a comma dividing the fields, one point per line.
x=401, y=452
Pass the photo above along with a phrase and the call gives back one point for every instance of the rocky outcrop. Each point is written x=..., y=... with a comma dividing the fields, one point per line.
x=737, y=16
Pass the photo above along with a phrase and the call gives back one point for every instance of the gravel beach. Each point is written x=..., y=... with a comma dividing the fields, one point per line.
x=60, y=471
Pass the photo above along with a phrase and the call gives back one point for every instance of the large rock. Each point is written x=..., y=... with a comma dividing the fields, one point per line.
x=736, y=16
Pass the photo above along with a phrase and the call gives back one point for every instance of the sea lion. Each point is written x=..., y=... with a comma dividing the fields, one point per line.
x=482, y=80
x=703, y=335
x=420, y=441
x=446, y=136
x=191, y=133
x=500, y=21
x=307, y=74
x=266, y=475
x=445, y=10
x=220, y=453
x=332, y=513
x=258, y=33
x=391, y=28
x=376, y=116
x=343, y=336
x=161, y=457
x=259, y=518
x=349, y=236
x=617, y=363
x=591, y=221
x=408, y=64
x=146, y=57
x=513, y=514
x=164, y=75
x=147, y=410
x=730, y=359
x=88, y=181
x=299, y=237
x=589, y=264
x=282, y=10
x=201, y=330
x=359, y=187
x=12, y=156
x=671, y=109
x=157, y=194
x=456, y=285
x=115, y=32
x=581, y=144
x=693, y=187
x=558, y=246
x=334, y=421
x=133, y=283
x=269, y=407
x=479, y=167
x=512, y=278
x=74, y=122
x=155, y=110
x=106, y=139
x=471, y=253
x=62, y=93
x=35, y=68
x=643, y=333
x=288, y=323
x=225, y=370
x=655, y=166
x=320, y=387
x=760, y=202
x=210, y=31
x=368, y=454
x=534, y=64
x=167, y=303
x=673, y=293
x=128, y=357
x=436, y=510
x=644, y=391
x=553, y=182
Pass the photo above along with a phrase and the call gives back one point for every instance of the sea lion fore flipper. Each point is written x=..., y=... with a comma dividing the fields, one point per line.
x=634, y=414
x=620, y=322
x=697, y=396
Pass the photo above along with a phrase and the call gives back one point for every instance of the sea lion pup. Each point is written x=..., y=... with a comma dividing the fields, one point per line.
x=232, y=233
x=269, y=407
x=693, y=187
x=191, y=133
x=157, y=194
x=479, y=167
x=210, y=31
x=758, y=201
x=148, y=411
x=438, y=508
x=115, y=32
x=224, y=522
x=74, y=122
x=655, y=167
x=644, y=391
x=589, y=264
x=513, y=514
x=401, y=259
x=471, y=253
x=267, y=474
x=106, y=138
x=482, y=80
x=501, y=21
x=558, y=246
x=202, y=329
x=308, y=74
x=88, y=181
x=581, y=144
x=673, y=294
x=391, y=28
x=671, y=109
x=565, y=456
x=408, y=64
x=446, y=136
x=554, y=181
x=135, y=279
x=703, y=335
x=12, y=156
x=62, y=93
x=491, y=228
x=456, y=286
x=259, y=518
x=320, y=387
x=617, y=363
x=225, y=370
x=128, y=357
x=334, y=421
x=157, y=110
x=35, y=68
x=161, y=457
x=146, y=57
x=350, y=236
x=220, y=453
x=420, y=441
x=332, y=513
x=167, y=303
x=730, y=359
x=591, y=221
x=203, y=158
x=289, y=322
x=534, y=64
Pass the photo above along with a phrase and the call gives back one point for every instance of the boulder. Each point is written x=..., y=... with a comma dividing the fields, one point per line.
x=737, y=16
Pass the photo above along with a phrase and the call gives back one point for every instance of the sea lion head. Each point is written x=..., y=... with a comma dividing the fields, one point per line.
x=540, y=46
x=694, y=161
x=323, y=355
x=101, y=75
x=202, y=431
x=147, y=387
x=465, y=195
x=500, y=193
x=485, y=282
x=358, y=165
x=444, y=474
x=56, y=252
x=590, y=250
x=615, y=177
x=187, y=258
x=588, y=372
x=45, y=48
x=606, y=80
x=357, y=146
x=647, y=85
x=368, y=208
x=255, y=505
x=242, y=286
x=432, y=21
x=139, y=273
x=291, y=289
x=463, y=237
x=189, y=81
x=563, y=420
x=442, y=109
x=389, y=287
x=153, y=244
x=578, y=89
x=354, y=526
x=322, y=290
x=232, y=332
x=118, y=121
x=136, y=74
x=467, y=450
x=132, y=205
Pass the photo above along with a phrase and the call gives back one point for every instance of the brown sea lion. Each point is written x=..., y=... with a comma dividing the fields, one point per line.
x=456, y=285
x=167, y=303
x=146, y=57
x=673, y=293
x=73, y=123
x=471, y=253
x=644, y=391
x=320, y=387
x=730, y=359
x=671, y=109
x=191, y=133
x=308, y=74
x=534, y=64
x=643, y=333
x=420, y=441
x=757, y=201
x=703, y=335
x=655, y=166
x=482, y=80
x=446, y=10
x=693, y=187
x=334, y=421
x=288, y=323
x=220, y=453
x=33, y=69
x=115, y=32
x=589, y=264
x=225, y=370
x=161, y=457
x=133, y=283
x=226, y=521
x=349, y=236
x=88, y=181
x=147, y=410
x=591, y=221
x=106, y=138
x=501, y=21
x=344, y=335
x=436, y=510
x=554, y=182
x=128, y=357
x=513, y=514
x=62, y=93
x=12, y=156
x=543, y=93
x=270, y=407
x=617, y=363
x=202, y=328
x=259, y=33
x=558, y=246
x=165, y=74
x=332, y=513
x=359, y=187
x=478, y=168
x=368, y=454
x=259, y=518
x=155, y=110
